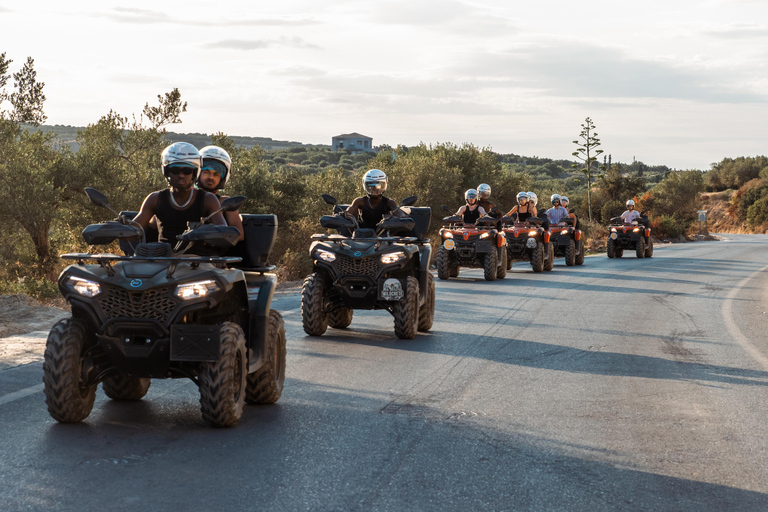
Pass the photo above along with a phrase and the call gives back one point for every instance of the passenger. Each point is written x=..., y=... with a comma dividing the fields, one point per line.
x=557, y=212
x=180, y=202
x=564, y=204
x=524, y=208
x=631, y=214
x=216, y=171
x=472, y=210
x=374, y=205
x=484, y=195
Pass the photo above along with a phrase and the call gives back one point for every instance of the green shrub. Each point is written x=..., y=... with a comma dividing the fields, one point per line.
x=669, y=226
x=757, y=213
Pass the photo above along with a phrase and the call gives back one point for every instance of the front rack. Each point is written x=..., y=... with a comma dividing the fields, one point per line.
x=106, y=259
x=396, y=239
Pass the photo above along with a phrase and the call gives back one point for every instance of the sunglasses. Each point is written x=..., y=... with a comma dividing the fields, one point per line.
x=181, y=170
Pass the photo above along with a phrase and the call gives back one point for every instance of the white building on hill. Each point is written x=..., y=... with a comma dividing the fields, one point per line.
x=353, y=142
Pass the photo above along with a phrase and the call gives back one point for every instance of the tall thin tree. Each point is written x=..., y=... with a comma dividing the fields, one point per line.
x=588, y=154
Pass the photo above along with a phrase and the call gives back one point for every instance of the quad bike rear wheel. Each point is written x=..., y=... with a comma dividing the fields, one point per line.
x=490, y=262
x=123, y=387
x=68, y=397
x=611, y=248
x=640, y=248
x=455, y=270
x=406, y=311
x=427, y=310
x=619, y=252
x=570, y=253
x=509, y=262
x=223, y=382
x=549, y=259
x=649, y=248
x=537, y=257
x=580, y=252
x=443, y=263
x=340, y=318
x=313, y=317
x=265, y=385
x=501, y=273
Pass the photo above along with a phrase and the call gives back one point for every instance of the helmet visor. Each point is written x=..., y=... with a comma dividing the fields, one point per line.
x=214, y=165
x=375, y=188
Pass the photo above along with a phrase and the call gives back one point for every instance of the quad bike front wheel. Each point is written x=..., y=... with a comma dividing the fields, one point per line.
x=580, y=252
x=406, y=311
x=427, y=310
x=509, y=262
x=610, y=248
x=501, y=273
x=649, y=248
x=455, y=270
x=570, y=253
x=265, y=385
x=549, y=259
x=223, y=382
x=313, y=317
x=123, y=387
x=340, y=318
x=490, y=261
x=68, y=397
x=443, y=263
x=640, y=248
x=537, y=257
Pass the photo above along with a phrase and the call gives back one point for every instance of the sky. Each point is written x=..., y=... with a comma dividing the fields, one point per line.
x=682, y=83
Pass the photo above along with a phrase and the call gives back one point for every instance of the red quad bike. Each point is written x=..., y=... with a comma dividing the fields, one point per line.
x=471, y=245
x=634, y=236
x=528, y=241
x=567, y=241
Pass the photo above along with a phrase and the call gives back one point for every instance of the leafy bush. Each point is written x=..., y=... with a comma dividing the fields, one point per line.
x=669, y=226
x=757, y=214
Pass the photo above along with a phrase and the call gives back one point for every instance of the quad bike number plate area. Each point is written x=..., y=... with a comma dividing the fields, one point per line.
x=614, y=236
x=392, y=289
x=449, y=245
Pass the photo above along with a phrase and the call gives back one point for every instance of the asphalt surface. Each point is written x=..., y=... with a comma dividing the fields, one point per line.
x=618, y=385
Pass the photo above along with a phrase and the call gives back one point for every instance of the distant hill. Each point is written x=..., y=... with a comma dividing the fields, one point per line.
x=68, y=135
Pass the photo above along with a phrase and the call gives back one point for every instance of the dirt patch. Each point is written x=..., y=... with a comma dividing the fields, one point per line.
x=20, y=314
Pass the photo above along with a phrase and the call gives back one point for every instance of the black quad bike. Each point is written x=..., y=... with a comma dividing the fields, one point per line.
x=567, y=241
x=528, y=241
x=471, y=245
x=161, y=312
x=634, y=236
x=359, y=268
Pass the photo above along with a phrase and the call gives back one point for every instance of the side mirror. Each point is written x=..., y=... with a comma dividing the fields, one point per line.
x=231, y=204
x=409, y=201
x=97, y=197
x=445, y=208
x=329, y=199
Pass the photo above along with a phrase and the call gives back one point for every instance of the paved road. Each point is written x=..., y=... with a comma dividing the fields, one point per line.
x=620, y=385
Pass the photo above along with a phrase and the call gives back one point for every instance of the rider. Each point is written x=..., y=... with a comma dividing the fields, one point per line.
x=484, y=193
x=216, y=171
x=557, y=212
x=631, y=214
x=180, y=203
x=472, y=210
x=374, y=205
x=524, y=207
x=564, y=204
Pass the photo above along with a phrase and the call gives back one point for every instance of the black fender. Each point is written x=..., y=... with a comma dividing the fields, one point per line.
x=425, y=257
x=258, y=322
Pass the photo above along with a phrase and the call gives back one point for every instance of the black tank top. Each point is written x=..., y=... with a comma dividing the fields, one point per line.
x=372, y=216
x=171, y=222
x=470, y=217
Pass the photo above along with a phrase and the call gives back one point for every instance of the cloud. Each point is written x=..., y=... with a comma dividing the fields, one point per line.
x=448, y=16
x=738, y=31
x=259, y=44
x=144, y=16
x=134, y=15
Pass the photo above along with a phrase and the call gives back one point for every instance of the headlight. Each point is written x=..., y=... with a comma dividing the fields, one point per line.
x=392, y=257
x=447, y=234
x=84, y=287
x=564, y=232
x=533, y=232
x=325, y=255
x=196, y=290
x=613, y=230
x=485, y=235
x=636, y=230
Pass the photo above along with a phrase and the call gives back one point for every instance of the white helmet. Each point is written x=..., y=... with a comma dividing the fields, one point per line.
x=522, y=198
x=563, y=201
x=554, y=197
x=533, y=198
x=182, y=154
x=484, y=191
x=217, y=159
x=630, y=203
x=470, y=194
x=375, y=182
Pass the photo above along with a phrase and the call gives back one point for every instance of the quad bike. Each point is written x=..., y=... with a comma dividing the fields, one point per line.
x=471, y=245
x=360, y=268
x=633, y=236
x=528, y=241
x=567, y=241
x=160, y=312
